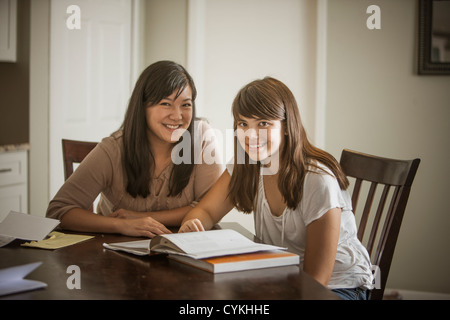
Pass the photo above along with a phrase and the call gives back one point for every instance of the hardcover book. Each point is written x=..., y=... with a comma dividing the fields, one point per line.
x=239, y=262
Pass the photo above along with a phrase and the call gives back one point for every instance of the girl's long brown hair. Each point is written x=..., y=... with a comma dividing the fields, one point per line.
x=156, y=82
x=270, y=99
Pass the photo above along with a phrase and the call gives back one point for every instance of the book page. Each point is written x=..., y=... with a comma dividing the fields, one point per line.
x=211, y=243
x=138, y=247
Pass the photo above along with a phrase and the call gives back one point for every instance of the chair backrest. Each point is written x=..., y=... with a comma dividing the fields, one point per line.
x=74, y=152
x=396, y=177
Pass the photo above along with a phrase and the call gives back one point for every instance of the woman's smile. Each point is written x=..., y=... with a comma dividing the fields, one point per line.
x=168, y=119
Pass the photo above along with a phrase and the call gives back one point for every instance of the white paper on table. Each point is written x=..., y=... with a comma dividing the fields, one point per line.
x=4, y=240
x=24, y=226
x=12, y=279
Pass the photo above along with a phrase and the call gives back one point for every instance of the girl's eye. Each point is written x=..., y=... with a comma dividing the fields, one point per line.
x=187, y=105
x=167, y=104
x=264, y=124
x=242, y=124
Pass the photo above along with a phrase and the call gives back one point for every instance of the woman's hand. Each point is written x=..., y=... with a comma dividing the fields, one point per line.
x=141, y=227
x=126, y=214
x=192, y=225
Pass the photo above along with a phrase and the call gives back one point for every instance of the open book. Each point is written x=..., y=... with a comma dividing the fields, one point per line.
x=197, y=245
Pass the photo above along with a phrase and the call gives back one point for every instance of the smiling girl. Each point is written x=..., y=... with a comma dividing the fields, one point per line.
x=142, y=190
x=296, y=191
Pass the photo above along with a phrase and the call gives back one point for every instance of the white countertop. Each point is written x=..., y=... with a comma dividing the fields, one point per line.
x=14, y=147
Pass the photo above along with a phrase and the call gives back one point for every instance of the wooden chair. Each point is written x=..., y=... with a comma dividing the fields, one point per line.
x=396, y=177
x=74, y=152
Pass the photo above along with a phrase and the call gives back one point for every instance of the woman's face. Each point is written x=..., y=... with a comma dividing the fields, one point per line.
x=261, y=139
x=169, y=118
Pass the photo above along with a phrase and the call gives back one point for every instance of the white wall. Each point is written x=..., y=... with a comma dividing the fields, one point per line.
x=165, y=25
x=247, y=40
x=376, y=103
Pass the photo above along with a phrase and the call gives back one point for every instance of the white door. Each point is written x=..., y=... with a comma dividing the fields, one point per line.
x=90, y=73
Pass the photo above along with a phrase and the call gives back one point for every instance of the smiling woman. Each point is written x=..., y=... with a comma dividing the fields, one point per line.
x=141, y=189
x=159, y=86
x=168, y=119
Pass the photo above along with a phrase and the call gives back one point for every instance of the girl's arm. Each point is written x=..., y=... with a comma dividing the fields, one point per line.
x=322, y=236
x=214, y=205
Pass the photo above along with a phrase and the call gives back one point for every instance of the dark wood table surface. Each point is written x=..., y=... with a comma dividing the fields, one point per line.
x=107, y=274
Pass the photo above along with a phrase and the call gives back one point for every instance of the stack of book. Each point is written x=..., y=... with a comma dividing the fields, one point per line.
x=215, y=251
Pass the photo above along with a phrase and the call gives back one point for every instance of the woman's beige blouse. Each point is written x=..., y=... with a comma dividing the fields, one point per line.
x=102, y=172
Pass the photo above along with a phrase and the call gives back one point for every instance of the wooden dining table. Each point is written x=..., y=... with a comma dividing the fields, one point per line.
x=112, y=275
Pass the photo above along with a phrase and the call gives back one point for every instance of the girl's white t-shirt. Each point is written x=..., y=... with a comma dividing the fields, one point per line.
x=321, y=192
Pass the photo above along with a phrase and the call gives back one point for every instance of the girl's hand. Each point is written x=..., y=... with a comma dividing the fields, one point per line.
x=193, y=225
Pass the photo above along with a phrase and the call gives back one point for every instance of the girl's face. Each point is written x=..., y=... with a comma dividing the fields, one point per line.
x=169, y=118
x=261, y=139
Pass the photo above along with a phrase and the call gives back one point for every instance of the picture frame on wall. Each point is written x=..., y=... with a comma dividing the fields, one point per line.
x=434, y=37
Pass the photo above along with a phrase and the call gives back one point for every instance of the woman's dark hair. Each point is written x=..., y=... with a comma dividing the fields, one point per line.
x=270, y=99
x=156, y=82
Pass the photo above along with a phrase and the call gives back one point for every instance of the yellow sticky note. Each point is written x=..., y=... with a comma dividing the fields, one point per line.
x=57, y=240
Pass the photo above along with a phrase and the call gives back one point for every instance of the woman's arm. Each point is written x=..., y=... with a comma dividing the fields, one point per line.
x=170, y=217
x=322, y=236
x=82, y=220
x=214, y=205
